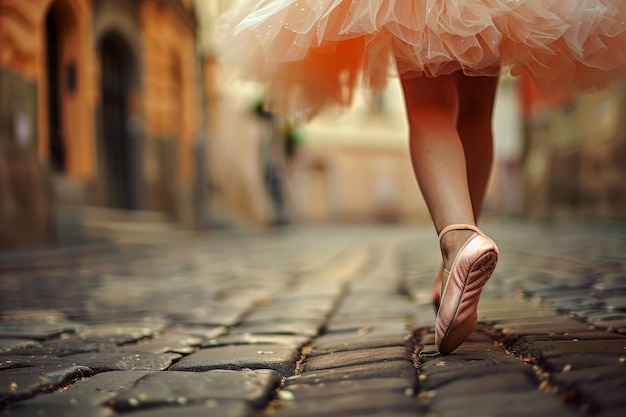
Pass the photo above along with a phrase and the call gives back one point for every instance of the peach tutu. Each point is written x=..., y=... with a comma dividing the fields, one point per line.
x=313, y=53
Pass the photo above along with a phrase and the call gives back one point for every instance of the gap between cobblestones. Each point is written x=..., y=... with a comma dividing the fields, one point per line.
x=345, y=274
x=284, y=396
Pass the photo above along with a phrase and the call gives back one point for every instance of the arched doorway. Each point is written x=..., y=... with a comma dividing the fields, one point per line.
x=117, y=125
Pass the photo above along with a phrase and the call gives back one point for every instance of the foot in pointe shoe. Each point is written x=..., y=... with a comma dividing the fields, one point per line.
x=473, y=265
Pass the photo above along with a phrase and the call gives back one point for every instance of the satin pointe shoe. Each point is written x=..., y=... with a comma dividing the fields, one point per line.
x=457, y=315
x=438, y=287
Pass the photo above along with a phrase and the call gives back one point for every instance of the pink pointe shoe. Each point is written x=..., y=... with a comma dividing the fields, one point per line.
x=457, y=315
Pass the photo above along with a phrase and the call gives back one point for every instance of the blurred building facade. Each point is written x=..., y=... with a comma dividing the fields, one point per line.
x=122, y=104
x=574, y=160
x=244, y=142
x=103, y=98
x=355, y=164
x=350, y=165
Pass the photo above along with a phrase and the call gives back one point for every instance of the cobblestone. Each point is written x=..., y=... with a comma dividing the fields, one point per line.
x=37, y=331
x=312, y=322
x=279, y=358
x=388, y=369
x=188, y=388
x=363, y=338
x=24, y=382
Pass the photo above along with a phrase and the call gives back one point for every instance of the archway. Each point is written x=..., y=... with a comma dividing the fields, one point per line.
x=117, y=83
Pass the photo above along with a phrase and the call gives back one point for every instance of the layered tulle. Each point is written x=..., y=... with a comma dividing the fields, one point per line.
x=314, y=53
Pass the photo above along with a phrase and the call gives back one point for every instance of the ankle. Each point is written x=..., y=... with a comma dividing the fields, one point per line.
x=451, y=243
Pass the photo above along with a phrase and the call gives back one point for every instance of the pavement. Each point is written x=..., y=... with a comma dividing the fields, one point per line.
x=312, y=321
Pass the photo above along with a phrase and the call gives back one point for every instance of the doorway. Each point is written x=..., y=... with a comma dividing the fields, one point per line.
x=56, y=142
x=117, y=79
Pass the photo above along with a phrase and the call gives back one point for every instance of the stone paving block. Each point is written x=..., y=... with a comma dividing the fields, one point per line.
x=487, y=384
x=560, y=348
x=379, y=370
x=610, y=282
x=575, y=337
x=604, y=316
x=563, y=325
x=64, y=346
x=170, y=342
x=35, y=315
x=119, y=333
x=442, y=374
x=21, y=383
x=205, y=332
x=98, y=362
x=616, y=303
x=64, y=402
x=123, y=361
x=583, y=314
x=308, y=286
x=7, y=345
x=340, y=324
x=37, y=331
x=16, y=361
x=194, y=388
x=618, y=326
x=302, y=327
x=574, y=363
x=214, y=315
x=602, y=397
x=210, y=408
x=56, y=410
x=532, y=321
x=375, y=308
x=574, y=378
x=531, y=288
x=358, y=404
x=279, y=358
x=322, y=391
x=423, y=317
x=381, y=412
x=356, y=357
x=574, y=303
x=306, y=298
x=236, y=338
x=365, y=338
x=106, y=384
x=557, y=292
x=512, y=311
x=295, y=309
x=122, y=314
x=510, y=404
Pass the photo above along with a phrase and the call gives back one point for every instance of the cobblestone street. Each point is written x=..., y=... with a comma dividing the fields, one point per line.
x=328, y=321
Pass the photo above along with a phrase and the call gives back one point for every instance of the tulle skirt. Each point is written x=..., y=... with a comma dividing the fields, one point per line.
x=314, y=53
